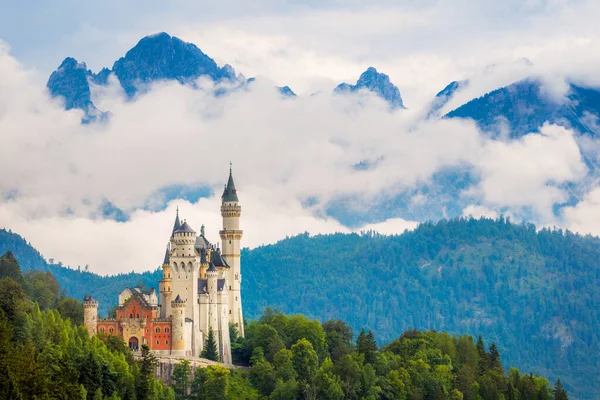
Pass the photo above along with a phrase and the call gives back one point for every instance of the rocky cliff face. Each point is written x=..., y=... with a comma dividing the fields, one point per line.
x=376, y=82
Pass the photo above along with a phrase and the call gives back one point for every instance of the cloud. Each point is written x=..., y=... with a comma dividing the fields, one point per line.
x=55, y=173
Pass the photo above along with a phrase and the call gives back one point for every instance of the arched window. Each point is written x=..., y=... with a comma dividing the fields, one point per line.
x=157, y=330
x=130, y=315
x=182, y=265
x=166, y=330
x=138, y=315
x=157, y=342
x=166, y=342
x=101, y=330
x=111, y=330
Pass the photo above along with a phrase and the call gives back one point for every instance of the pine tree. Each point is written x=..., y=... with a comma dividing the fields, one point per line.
x=146, y=374
x=9, y=267
x=495, y=357
x=559, y=391
x=367, y=346
x=483, y=356
x=210, y=350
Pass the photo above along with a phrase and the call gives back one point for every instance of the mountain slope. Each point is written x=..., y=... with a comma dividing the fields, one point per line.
x=525, y=106
x=159, y=57
x=164, y=57
x=376, y=82
x=534, y=293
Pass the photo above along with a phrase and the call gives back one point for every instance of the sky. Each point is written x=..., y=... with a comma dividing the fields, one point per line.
x=55, y=172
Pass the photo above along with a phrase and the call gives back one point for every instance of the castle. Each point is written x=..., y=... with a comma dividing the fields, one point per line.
x=200, y=291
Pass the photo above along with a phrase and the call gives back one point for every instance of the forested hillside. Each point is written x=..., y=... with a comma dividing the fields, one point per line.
x=45, y=353
x=534, y=293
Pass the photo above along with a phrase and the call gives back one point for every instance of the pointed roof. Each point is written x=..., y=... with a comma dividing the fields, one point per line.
x=230, y=193
x=177, y=224
x=217, y=260
x=178, y=299
x=166, y=260
x=211, y=268
x=185, y=228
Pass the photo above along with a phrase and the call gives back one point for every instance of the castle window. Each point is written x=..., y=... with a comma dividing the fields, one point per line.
x=130, y=315
x=166, y=342
x=229, y=312
x=230, y=242
x=146, y=330
x=157, y=330
x=138, y=315
x=166, y=330
x=157, y=342
x=101, y=330
x=111, y=330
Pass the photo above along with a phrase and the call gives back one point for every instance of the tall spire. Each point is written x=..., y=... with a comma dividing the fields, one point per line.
x=166, y=261
x=230, y=193
x=177, y=224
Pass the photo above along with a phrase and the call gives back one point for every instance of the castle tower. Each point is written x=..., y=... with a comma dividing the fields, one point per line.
x=90, y=314
x=178, y=327
x=230, y=237
x=185, y=269
x=212, y=276
x=165, y=287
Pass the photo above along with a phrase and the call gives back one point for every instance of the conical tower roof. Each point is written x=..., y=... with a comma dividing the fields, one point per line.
x=166, y=260
x=177, y=224
x=185, y=228
x=230, y=193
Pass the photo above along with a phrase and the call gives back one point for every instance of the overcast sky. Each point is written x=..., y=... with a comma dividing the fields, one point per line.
x=54, y=172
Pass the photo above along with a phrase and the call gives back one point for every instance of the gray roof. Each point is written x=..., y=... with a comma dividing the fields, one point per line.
x=88, y=298
x=178, y=300
x=230, y=193
x=177, y=224
x=166, y=261
x=202, y=243
x=185, y=228
x=215, y=258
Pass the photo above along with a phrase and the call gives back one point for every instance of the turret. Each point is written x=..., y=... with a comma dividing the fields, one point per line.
x=165, y=287
x=177, y=326
x=90, y=314
x=231, y=236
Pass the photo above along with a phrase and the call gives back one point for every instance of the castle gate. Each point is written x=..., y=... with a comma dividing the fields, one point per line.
x=134, y=343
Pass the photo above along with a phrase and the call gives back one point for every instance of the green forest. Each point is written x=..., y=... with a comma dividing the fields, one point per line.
x=45, y=353
x=533, y=292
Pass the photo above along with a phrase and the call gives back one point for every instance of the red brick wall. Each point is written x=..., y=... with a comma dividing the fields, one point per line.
x=134, y=309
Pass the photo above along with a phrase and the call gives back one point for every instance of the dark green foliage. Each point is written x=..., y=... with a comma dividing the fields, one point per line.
x=367, y=346
x=210, y=351
x=145, y=377
x=44, y=355
x=339, y=338
x=9, y=267
x=181, y=379
x=559, y=391
x=211, y=383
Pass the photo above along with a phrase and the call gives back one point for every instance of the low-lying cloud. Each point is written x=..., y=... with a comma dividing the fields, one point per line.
x=56, y=172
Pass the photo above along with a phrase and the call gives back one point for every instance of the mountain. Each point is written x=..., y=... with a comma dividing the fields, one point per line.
x=376, y=82
x=444, y=96
x=164, y=57
x=533, y=292
x=524, y=106
x=154, y=58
